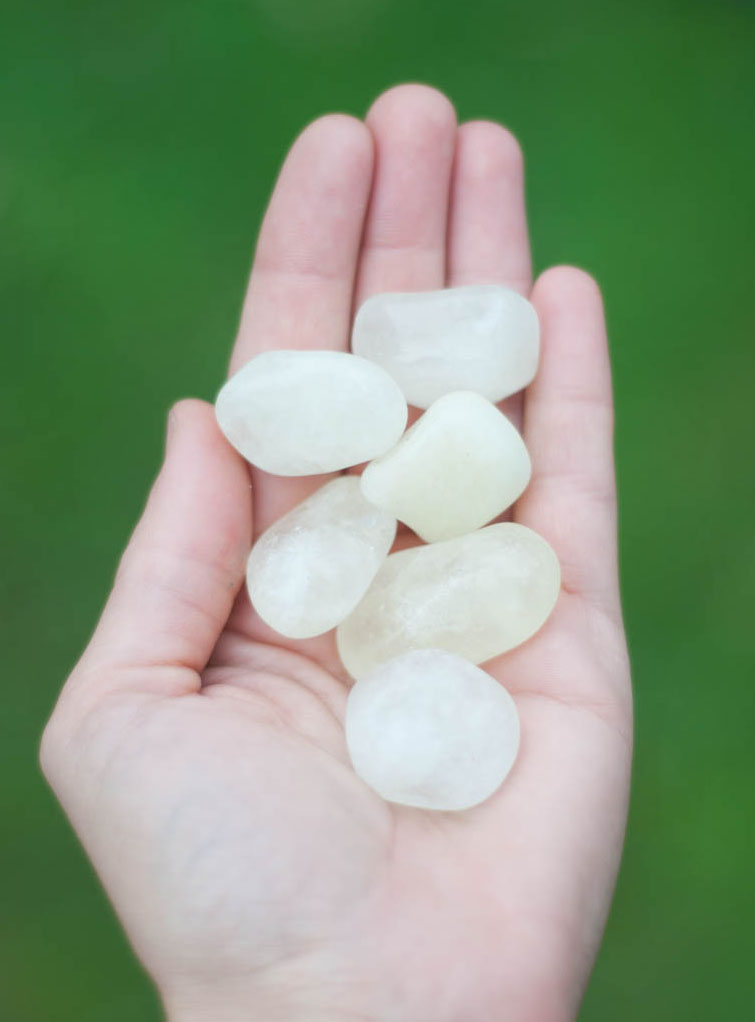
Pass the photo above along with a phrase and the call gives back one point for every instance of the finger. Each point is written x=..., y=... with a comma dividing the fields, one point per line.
x=568, y=428
x=185, y=562
x=301, y=285
x=300, y=288
x=488, y=241
x=404, y=249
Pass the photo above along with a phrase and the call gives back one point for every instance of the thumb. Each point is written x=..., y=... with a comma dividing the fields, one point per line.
x=183, y=566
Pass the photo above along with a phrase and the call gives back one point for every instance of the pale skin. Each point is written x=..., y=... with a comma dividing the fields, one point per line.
x=201, y=757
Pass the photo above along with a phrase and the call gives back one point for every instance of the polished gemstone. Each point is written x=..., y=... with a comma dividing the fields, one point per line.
x=306, y=412
x=476, y=596
x=429, y=729
x=484, y=338
x=458, y=467
x=309, y=570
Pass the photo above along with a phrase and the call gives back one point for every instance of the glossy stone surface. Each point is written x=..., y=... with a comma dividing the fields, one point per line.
x=484, y=338
x=459, y=466
x=309, y=570
x=476, y=596
x=306, y=412
x=429, y=729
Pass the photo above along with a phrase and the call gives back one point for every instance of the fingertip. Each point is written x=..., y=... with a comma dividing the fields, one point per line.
x=404, y=242
x=197, y=447
x=488, y=238
x=566, y=284
x=344, y=140
x=412, y=105
x=188, y=409
x=190, y=415
x=489, y=151
x=570, y=307
x=313, y=222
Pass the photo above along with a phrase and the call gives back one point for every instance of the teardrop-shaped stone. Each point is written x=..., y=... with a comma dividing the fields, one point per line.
x=309, y=570
x=459, y=466
x=306, y=412
x=429, y=729
x=476, y=596
x=484, y=338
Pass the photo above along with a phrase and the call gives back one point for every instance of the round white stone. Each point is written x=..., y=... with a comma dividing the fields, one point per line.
x=306, y=412
x=459, y=466
x=429, y=729
x=309, y=570
x=476, y=596
x=484, y=338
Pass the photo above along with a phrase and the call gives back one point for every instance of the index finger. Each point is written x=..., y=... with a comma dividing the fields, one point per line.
x=301, y=285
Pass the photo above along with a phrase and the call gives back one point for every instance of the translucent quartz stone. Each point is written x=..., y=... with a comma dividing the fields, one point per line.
x=484, y=338
x=309, y=570
x=476, y=596
x=457, y=468
x=304, y=412
x=429, y=729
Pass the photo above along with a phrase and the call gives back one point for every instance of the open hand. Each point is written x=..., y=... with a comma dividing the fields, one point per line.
x=201, y=757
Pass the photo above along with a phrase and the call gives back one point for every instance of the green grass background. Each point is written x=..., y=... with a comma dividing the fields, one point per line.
x=138, y=145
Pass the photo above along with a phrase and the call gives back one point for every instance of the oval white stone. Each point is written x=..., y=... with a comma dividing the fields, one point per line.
x=484, y=338
x=476, y=596
x=459, y=466
x=429, y=729
x=305, y=412
x=309, y=570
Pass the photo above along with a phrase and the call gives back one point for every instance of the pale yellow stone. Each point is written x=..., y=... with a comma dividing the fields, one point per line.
x=459, y=466
x=305, y=412
x=484, y=338
x=431, y=730
x=476, y=596
x=309, y=570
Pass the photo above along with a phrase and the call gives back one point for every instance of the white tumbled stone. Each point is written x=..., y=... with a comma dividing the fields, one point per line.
x=309, y=570
x=484, y=338
x=461, y=464
x=431, y=730
x=306, y=412
x=476, y=596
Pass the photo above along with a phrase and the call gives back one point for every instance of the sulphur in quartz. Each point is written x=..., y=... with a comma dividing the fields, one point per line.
x=477, y=596
x=459, y=466
x=484, y=338
x=309, y=570
x=431, y=730
x=306, y=412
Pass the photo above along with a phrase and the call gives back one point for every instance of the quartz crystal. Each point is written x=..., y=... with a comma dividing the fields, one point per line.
x=305, y=412
x=429, y=729
x=476, y=596
x=309, y=570
x=457, y=468
x=484, y=338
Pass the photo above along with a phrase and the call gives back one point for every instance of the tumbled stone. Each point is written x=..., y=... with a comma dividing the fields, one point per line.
x=484, y=338
x=309, y=570
x=476, y=596
x=459, y=466
x=305, y=412
x=431, y=730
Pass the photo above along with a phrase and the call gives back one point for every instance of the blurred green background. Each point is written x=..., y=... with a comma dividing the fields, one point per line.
x=138, y=145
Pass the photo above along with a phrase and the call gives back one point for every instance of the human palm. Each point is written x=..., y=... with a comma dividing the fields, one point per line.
x=202, y=759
